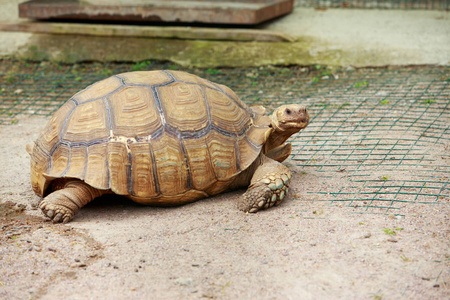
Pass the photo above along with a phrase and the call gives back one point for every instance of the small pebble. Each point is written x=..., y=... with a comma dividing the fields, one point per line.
x=185, y=281
x=367, y=235
x=392, y=240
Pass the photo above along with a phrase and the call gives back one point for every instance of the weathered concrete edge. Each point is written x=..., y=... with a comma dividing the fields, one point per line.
x=193, y=33
x=206, y=54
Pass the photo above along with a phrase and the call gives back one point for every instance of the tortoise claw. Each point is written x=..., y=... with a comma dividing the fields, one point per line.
x=57, y=218
x=56, y=213
x=50, y=213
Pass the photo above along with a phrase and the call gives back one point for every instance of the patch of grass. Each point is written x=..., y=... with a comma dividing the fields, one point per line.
x=105, y=72
x=385, y=101
x=385, y=178
x=389, y=231
x=315, y=79
x=404, y=258
x=285, y=71
x=429, y=101
x=212, y=71
x=377, y=296
x=361, y=84
x=318, y=213
x=139, y=66
x=344, y=104
x=326, y=72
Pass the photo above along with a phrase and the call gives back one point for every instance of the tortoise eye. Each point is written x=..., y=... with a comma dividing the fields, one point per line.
x=288, y=111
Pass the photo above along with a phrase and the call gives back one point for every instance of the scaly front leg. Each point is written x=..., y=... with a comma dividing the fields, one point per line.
x=268, y=186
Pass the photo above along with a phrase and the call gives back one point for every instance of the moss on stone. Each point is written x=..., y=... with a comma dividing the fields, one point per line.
x=194, y=53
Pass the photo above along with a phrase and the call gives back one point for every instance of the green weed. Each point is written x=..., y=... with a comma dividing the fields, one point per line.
x=139, y=66
x=212, y=71
x=429, y=101
x=361, y=84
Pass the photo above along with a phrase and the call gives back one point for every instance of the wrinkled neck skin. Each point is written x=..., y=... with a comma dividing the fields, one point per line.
x=278, y=136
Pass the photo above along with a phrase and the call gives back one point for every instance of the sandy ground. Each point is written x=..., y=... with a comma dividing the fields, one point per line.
x=303, y=249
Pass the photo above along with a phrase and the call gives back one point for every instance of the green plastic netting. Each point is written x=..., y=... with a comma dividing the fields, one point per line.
x=378, y=139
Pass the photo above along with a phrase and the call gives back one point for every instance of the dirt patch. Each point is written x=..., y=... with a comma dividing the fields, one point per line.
x=11, y=209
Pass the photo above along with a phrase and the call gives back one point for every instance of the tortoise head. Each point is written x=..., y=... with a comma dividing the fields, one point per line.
x=285, y=121
x=289, y=119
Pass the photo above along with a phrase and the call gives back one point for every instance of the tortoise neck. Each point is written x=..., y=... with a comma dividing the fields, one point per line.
x=277, y=138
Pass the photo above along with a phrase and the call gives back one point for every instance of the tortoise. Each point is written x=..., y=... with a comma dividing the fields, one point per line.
x=161, y=138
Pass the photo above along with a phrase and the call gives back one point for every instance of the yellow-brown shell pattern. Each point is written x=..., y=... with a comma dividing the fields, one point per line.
x=149, y=136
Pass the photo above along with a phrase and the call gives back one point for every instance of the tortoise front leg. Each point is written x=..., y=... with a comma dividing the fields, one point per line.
x=268, y=186
x=62, y=204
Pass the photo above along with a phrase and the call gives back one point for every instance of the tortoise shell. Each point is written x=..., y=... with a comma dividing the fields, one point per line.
x=158, y=137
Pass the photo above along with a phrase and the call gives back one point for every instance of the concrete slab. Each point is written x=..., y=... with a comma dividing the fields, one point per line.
x=338, y=37
x=209, y=11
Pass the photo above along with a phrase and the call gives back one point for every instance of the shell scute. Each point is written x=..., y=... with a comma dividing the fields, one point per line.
x=145, y=78
x=184, y=106
x=189, y=78
x=172, y=174
x=133, y=112
x=202, y=171
x=60, y=160
x=87, y=122
x=78, y=161
x=225, y=113
x=119, y=167
x=142, y=170
x=222, y=151
x=97, y=171
x=51, y=133
x=98, y=90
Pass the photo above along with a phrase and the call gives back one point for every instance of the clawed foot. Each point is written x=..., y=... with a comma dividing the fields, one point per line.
x=56, y=213
x=267, y=192
x=255, y=198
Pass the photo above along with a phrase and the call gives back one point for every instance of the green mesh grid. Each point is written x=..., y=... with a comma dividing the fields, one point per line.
x=376, y=4
x=378, y=138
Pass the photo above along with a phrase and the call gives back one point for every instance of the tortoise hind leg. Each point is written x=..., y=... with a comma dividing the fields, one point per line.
x=268, y=186
x=67, y=199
